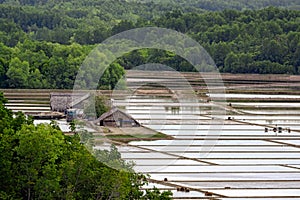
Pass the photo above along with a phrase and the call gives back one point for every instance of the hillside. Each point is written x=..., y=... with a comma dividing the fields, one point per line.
x=160, y=5
x=217, y=5
x=39, y=38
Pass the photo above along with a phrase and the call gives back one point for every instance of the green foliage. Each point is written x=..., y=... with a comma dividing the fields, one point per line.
x=72, y=126
x=101, y=105
x=111, y=76
x=96, y=106
x=43, y=43
x=217, y=5
x=245, y=42
x=18, y=73
x=3, y=100
x=8, y=122
x=40, y=162
x=156, y=195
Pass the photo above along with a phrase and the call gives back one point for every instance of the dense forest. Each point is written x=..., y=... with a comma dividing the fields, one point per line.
x=215, y=5
x=43, y=43
x=41, y=162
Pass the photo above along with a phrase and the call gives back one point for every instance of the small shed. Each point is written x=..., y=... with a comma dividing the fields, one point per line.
x=116, y=118
x=60, y=102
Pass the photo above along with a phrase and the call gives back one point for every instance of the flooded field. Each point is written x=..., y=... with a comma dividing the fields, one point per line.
x=240, y=157
x=244, y=143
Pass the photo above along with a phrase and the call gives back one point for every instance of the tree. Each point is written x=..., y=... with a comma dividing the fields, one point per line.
x=40, y=162
x=220, y=51
x=111, y=76
x=296, y=58
x=96, y=106
x=18, y=73
x=124, y=25
x=35, y=79
x=2, y=72
x=273, y=51
x=231, y=63
x=101, y=105
x=3, y=100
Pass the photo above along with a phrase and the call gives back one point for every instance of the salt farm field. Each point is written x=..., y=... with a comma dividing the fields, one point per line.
x=224, y=145
x=232, y=159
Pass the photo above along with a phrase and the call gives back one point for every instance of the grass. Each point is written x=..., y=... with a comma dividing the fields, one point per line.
x=133, y=137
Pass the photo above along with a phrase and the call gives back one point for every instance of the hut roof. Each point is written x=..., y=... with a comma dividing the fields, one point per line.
x=62, y=101
x=111, y=112
x=79, y=99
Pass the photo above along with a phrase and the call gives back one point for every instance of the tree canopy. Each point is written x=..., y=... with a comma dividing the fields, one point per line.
x=43, y=43
x=40, y=162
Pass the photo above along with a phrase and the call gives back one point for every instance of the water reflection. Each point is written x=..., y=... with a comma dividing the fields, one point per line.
x=238, y=147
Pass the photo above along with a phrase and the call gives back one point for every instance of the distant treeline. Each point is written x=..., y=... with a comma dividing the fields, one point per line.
x=217, y=5
x=264, y=41
x=43, y=48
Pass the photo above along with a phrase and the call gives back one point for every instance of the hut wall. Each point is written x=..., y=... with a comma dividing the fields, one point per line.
x=109, y=123
x=119, y=119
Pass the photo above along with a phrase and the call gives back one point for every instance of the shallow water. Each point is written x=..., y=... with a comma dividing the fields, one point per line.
x=217, y=150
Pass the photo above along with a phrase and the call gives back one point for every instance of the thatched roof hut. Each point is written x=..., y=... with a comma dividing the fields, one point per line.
x=116, y=118
x=62, y=101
